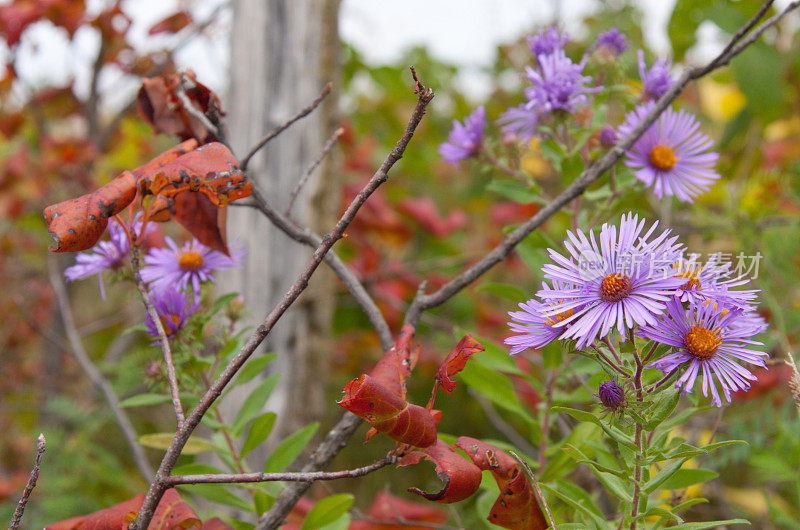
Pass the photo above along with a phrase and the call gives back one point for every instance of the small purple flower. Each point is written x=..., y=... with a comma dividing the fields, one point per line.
x=464, y=140
x=712, y=281
x=519, y=122
x=625, y=280
x=547, y=41
x=104, y=255
x=710, y=344
x=192, y=264
x=611, y=394
x=534, y=329
x=672, y=155
x=657, y=80
x=559, y=85
x=612, y=41
x=608, y=137
x=173, y=310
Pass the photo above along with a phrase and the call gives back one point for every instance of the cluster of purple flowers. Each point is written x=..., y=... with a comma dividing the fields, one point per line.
x=633, y=280
x=171, y=273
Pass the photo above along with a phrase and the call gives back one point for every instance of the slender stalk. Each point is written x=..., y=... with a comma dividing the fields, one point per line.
x=310, y=169
x=611, y=363
x=26, y=493
x=637, y=469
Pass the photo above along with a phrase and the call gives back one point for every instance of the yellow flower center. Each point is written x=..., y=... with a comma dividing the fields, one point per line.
x=615, y=287
x=693, y=283
x=560, y=317
x=662, y=158
x=175, y=319
x=701, y=342
x=190, y=261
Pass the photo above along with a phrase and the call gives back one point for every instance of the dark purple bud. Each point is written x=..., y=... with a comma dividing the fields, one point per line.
x=608, y=137
x=611, y=394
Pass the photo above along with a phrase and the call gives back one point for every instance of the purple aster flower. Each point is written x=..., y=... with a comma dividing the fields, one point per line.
x=535, y=329
x=672, y=155
x=710, y=344
x=608, y=137
x=104, y=255
x=611, y=394
x=711, y=281
x=612, y=41
x=559, y=85
x=547, y=41
x=192, y=264
x=625, y=280
x=519, y=122
x=173, y=310
x=657, y=80
x=464, y=140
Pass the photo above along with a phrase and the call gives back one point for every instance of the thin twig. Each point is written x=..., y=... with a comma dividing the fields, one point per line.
x=78, y=351
x=172, y=377
x=310, y=169
x=324, y=453
x=26, y=493
x=194, y=111
x=588, y=176
x=538, y=489
x=285, y=125
x=339, y=267
x=244, y=478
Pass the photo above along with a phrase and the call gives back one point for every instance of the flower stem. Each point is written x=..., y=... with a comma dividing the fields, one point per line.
x=637, y=469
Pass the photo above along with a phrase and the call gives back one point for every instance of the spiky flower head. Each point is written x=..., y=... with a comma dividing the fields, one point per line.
x=173, y=310
x=658, y=79
x=464, y=139
x=672, y=156
x=547, y=41
x=613, y=42
x=611, y=394
x=559, y=84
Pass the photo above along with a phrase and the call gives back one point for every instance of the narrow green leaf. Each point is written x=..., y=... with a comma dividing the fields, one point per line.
x=613, y=484
x=289, y=449
x=144, y=400
x=263, y=502
x=504, y=290
x=252, y=369
x=259, y=431
x=683, y=478
x=220, y=494
x=327, y=511
x=710, y=524
x=254, y=403
x=668, y=400
x=162, y=440
x=663, y=475
x=496, y=387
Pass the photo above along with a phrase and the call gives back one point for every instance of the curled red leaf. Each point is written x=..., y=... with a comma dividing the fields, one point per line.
x=396, y=513
x=456, y=361
x=388, y=413
x=460, y=477
x=396, y=364
x=516, y=508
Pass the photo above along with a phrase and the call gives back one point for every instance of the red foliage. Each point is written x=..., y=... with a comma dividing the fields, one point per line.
x=423, y=210
x=461, y=478
x=399, y=514
x=456, y=361
x=516, y=508
x=171, y=24
x=172, y=513
x=159, y=104
x=765, y=381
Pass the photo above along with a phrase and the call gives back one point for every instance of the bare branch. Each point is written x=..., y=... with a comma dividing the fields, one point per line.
x=172, y=377
x=285, y=125
x=588, y=176
x=180, y=91
x=308, y=172
x=77, y=349
x=159, y=484
x=26, y=493
x=243, y=478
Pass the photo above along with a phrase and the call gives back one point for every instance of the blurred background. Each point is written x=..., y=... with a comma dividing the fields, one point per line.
x=69, y=124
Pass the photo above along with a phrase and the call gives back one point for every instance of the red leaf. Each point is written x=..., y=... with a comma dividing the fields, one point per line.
x=171, y=24
x=396, y=364
x=390, y=509
x=216, y=524
x=516, y=508
x=461, y=478
x=17, y=16
x=456, y=361
x=159, y=104
x=172, y=513
x=78, y=223
x=389, y=413
x=424, y=211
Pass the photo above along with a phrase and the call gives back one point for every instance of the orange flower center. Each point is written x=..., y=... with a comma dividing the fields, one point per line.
x=701, y=342
x=190, y=261
x=560, y=317
x=175, y=319
x=615, y=287
x=663, y=158
x=693, y=283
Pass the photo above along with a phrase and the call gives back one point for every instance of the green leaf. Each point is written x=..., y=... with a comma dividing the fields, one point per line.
x=327, y=511
x=220, y=494
x=252, y=369
x=254, y=403
x=613, y=484
x=513, y=190
x=289, y=449
x=686, y=18
x=663, y=475
x=495, y=386
x=504, y=290
x=144, y=400
x=259, y=431
x=221, y=302
x=162, y=440
x=683, y=478
x=760, y=61
x=610, y=430
x=263, y=502
x=495, y=357
x=710, y=524
x=578, y=499
x=660, y=411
